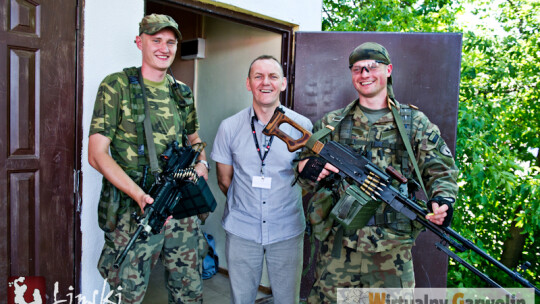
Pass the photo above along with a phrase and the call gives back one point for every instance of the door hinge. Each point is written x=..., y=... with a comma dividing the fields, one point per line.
x=76, y=192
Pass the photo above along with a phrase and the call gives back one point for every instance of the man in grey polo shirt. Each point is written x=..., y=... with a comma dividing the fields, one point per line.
x=263, y=217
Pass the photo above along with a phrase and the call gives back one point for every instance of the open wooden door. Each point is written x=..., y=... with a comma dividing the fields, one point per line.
x=37, y=143
x=426, y=74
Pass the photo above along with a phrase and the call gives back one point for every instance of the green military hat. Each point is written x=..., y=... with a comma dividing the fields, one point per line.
x=154, y=23
x=372, y=51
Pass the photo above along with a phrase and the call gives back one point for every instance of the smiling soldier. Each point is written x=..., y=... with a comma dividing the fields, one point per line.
x=377, y=254
x=117, y=126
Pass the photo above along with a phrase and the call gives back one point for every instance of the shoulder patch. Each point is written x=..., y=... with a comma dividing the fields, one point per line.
x=444, y=150
x=433, y=137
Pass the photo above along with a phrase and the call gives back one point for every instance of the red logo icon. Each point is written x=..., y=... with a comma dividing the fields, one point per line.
x=26, y=290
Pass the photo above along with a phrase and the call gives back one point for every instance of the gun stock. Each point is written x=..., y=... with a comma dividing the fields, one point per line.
x=272, y=128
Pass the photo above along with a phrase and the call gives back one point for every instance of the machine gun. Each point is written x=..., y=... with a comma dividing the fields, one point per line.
x=177, y=181
x=377, y=184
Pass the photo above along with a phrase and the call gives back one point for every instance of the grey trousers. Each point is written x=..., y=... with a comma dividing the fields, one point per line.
x=283, y=261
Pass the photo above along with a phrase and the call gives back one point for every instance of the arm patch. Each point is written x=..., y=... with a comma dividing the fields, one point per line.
x=444, y=150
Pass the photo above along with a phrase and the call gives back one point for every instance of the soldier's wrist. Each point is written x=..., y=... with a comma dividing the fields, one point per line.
x=204, y=162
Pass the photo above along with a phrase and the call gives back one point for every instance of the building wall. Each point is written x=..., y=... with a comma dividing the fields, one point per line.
x=110, y=28
x=305, y=13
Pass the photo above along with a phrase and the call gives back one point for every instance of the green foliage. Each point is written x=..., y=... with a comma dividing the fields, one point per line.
x=498, y=122
x=499, y=116
x=388, y=15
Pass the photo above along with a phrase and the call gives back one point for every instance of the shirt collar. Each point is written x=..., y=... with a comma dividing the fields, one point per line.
x=252, y=114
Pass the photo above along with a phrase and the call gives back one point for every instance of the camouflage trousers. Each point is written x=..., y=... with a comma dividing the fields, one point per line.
x=355, y=269
x=180, y=246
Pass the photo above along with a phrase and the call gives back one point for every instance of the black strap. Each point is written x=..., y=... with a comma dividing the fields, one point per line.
x=267, y=148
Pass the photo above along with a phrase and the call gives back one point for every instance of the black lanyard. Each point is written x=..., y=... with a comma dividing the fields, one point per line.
x=261, y=156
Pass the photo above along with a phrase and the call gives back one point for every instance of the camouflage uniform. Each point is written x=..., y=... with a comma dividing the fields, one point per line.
x=379, y=255
x=180, y=244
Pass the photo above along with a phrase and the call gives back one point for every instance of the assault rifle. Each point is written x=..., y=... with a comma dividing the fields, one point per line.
x=377, y=184
x=166, y=192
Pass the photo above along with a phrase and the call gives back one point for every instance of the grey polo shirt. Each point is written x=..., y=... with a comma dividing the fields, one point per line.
x=260, y=215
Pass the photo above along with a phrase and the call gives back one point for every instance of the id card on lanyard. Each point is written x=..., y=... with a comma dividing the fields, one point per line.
x=261, y=181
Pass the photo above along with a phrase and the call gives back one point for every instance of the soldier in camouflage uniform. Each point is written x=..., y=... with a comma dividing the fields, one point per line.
x=379, y=254
x=180, y=243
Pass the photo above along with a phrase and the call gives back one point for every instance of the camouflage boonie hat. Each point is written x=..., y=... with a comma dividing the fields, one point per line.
x=154, y=23
x=372, y=51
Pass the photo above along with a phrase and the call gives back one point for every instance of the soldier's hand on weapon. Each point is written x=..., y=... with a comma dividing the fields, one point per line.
x=201, y=170
x=144, y=200
x=315, y=168
x=438, y=214
x=441, y=210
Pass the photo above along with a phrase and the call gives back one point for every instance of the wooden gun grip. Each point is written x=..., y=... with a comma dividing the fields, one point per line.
x=272, y=128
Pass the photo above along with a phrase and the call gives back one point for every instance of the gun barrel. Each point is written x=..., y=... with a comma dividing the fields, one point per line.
x=360, y=168
x=122, y=256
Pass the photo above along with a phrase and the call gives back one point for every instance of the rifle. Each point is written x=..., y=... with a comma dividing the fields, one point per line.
x=167, y=191
x=377, y=184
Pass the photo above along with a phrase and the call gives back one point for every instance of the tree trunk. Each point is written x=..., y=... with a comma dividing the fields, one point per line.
x=513, y=246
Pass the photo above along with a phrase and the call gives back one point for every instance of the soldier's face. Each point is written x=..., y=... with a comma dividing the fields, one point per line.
x=369, y=78
x=266, y=81
x=158, y=50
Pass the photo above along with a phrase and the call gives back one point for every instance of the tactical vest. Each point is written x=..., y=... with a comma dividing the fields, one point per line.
x=389, y=216
x=345, y=137
x=179, y=92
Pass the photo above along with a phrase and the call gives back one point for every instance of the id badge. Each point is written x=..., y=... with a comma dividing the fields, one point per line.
x=261, y=182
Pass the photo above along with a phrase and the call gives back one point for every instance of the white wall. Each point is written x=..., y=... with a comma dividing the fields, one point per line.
x=110, y=28
x=109, y=31
x=305, y=13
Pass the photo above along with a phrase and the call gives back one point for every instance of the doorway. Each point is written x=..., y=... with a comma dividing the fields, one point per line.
x=231, y=41
x=38, y=143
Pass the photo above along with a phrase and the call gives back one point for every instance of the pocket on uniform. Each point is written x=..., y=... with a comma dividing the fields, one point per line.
x=109, y=203
x=318, y=211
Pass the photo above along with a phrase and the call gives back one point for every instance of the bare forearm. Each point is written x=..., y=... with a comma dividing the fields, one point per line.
x=224, y=175
x=118, y=177
x=224, y=186
x=99, y=158
x=200, y=168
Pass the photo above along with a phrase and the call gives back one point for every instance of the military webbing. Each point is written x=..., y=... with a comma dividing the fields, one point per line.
x=137, y=110
x=346, y=123
x=152, y=155
x=331, y=126
x=402, y=132
x=338, y=239
x=141, y=116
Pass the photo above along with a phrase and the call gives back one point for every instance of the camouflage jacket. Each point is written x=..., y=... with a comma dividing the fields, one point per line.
x=438, y=170
x=113, y=117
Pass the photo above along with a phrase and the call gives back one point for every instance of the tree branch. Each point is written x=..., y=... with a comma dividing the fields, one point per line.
x=329, y=17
